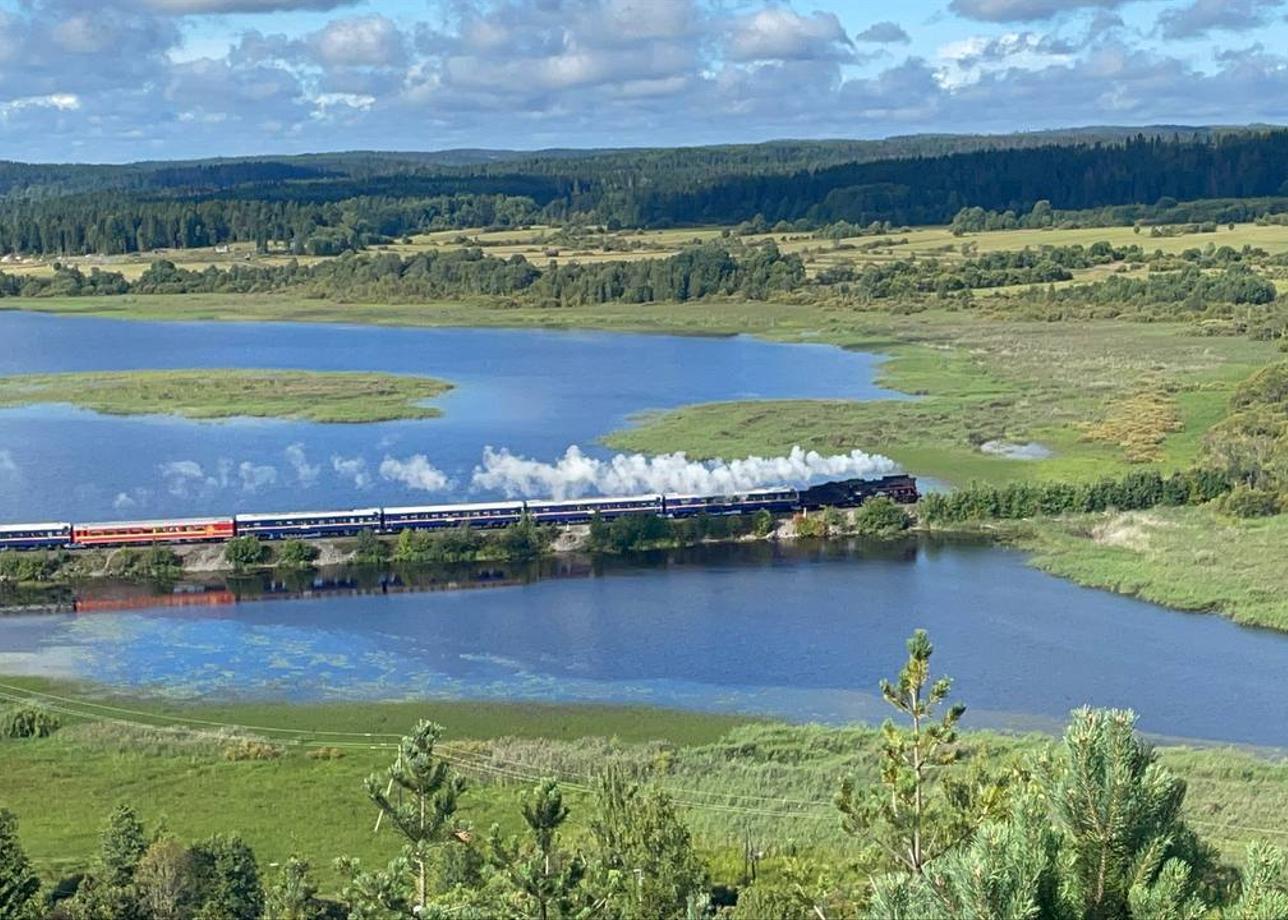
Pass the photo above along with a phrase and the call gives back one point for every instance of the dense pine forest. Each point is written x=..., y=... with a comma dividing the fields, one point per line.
x=322, y=204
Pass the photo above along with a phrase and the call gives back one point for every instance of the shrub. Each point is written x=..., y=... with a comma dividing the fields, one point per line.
x=881, y=516
x=28, y=722
x=297, y=554
x=1248, y=502
x=245, y=551
x=325, y=753
x=249, y=749
x=369, y=549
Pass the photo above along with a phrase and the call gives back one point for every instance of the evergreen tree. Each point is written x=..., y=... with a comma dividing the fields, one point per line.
x=293, y=896
x=1131, y=855
x=643, y=858
x=914, y=815
x=121, y=845
x=227, y=880
x=18, y=884
x=544, y=878
x=423, y=811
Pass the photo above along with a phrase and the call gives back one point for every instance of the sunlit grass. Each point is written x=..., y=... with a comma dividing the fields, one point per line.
x=225, y=393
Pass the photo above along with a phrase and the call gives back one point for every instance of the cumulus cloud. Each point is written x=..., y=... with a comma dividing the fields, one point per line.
x=187, y=7
x=1203, y=16
x=353, y=469
x=575, y=474
x=883, y=33
x=306, y=474
x=116, y=80
x=360, y=41
x=780, y=34
x=416, y=472
x=1024, y=10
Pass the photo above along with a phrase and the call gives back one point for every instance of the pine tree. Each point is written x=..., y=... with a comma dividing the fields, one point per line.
x=913, y=815
x=1131, y=854
x=121, y=846
x=18, y=884
x=545, y=879
x=424, y=810
x=643, y=861
x=293, y=895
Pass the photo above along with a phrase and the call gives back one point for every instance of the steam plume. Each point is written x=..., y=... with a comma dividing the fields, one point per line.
x=575, y=474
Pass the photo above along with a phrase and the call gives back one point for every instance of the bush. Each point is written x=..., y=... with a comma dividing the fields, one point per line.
x=296, y=554
x=244, y=552
x=1248, y=502
x=28, y=722
x=881, y=516
x=369, y=549
x=249, y=749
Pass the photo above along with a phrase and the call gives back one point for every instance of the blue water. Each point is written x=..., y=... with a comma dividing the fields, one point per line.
x=789, y=631
x=534, y=392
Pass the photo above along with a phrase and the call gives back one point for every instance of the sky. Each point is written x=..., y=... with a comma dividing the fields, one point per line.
x=120, y=80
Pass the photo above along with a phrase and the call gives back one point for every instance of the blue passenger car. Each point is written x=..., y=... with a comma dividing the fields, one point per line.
x=34, y=536
x=777, y=500
x=581, y=510
x=480, y=514
x=302, y=524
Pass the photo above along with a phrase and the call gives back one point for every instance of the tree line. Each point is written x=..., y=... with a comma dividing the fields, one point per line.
x=754, y=272
x=900, y=182
x=1087, y=828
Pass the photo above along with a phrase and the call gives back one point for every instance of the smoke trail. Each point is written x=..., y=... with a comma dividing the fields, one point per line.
x=575, y=474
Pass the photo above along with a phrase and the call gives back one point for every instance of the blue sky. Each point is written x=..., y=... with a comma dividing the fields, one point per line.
x=115, y=80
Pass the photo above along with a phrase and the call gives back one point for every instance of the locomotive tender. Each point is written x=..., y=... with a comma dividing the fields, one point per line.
x=848, y=493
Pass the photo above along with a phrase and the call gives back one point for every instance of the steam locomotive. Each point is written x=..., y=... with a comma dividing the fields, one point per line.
x=848, y=493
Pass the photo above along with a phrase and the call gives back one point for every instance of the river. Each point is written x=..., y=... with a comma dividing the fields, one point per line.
x=793, y=631
x=798, y=631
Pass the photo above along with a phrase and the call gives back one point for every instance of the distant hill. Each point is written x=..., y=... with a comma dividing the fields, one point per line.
x=362, y=196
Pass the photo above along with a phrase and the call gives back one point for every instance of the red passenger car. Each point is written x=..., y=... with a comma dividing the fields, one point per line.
x=134, y=533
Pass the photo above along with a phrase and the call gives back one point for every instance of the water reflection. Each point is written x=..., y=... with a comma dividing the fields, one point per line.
x=796, y=630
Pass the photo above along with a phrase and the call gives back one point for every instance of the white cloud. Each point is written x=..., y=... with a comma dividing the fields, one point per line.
x=8, y=466
x=62, y=102
x=575, y=474
x=416, y=472
x=360, y=41
x=780, y=34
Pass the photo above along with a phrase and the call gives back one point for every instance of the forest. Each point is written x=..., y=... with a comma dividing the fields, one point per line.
x=329, y=203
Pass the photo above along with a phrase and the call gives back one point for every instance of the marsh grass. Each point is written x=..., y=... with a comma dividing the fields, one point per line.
x=213, y=394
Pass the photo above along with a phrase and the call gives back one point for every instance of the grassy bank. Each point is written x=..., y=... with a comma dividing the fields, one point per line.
x=225, y=393
x=305, y=795
x=1185, y=558
x=769, y=783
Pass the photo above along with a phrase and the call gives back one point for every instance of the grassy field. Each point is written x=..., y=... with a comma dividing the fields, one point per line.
x=540, y=245
x=1186, y=558
x=225, y=393
x=770, y=782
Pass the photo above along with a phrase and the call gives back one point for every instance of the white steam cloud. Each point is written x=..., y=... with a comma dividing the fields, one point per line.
x=415, y=472
x=575, y=474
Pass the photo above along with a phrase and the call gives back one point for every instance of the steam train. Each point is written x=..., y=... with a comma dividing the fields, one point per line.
x=848, y=493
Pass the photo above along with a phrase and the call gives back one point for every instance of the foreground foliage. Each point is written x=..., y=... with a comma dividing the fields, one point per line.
x=1091, y=827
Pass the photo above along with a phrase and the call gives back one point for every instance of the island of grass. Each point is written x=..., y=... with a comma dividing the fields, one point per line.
x=333, y=396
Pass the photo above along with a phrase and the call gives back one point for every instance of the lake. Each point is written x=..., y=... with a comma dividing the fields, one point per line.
x=533, y=392
x=798, y=631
